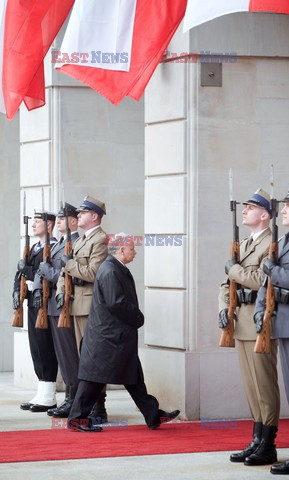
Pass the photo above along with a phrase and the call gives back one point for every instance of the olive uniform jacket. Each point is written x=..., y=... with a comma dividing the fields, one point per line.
x=249, y=275
x=88, y=254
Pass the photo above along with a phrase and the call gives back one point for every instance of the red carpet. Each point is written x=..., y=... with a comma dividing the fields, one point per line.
x=178, y=437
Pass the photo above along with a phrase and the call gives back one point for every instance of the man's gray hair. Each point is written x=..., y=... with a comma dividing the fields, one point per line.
x=117, y=241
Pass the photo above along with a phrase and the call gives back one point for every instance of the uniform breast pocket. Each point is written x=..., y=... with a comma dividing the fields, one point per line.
x=83, y=258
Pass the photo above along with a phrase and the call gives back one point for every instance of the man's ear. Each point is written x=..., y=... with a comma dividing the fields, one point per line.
x=73, y=221
x=265, y=215
x=95, y=216
x=50, y=224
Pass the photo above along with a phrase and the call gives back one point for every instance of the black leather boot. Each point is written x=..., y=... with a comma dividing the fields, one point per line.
x=99, y=413
x=63, y=410
x=266, y=453
x=280, y=468
x=257, y=435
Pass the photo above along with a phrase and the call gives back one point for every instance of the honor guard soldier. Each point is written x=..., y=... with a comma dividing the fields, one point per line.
x=259, y=370
x=89, y=251
x=40, y=340
x=279, y=278
x=63, y=338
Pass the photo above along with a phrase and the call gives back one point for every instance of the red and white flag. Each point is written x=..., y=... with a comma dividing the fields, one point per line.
x=28, y=28
x=143, y=32
x=199, y=12
x=98, y=35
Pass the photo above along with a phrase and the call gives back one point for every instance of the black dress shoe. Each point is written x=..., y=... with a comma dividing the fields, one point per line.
x=50, y=411
x=164, y=417
x=77, y=426
x=62, y=411
x=280, y=468
x=41, y=408
x=26, y=406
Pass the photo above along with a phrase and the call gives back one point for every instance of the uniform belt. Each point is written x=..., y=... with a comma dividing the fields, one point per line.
x=281, y=295
x=78, y=282
x=246, y=296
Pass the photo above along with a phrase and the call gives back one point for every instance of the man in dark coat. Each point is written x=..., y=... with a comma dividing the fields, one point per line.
x=109, y=351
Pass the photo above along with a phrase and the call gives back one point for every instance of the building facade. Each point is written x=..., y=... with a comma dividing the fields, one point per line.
x=219, y=101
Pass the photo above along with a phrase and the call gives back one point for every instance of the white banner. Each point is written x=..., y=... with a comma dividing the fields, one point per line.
x=199, y=12
x=99, y=34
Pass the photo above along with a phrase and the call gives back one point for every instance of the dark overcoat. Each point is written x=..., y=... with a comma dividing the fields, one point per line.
x=109, y=352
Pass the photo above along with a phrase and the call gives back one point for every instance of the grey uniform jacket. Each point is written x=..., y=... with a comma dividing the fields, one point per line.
x=51, y=272
x=248, y=274
x=279, y=278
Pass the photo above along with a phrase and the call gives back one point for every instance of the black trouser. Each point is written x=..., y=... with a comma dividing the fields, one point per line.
x=66, y=351
x=42, y=349
x=87, y=392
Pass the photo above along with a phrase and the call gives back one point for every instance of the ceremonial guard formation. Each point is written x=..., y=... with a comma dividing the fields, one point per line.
x=83, y=316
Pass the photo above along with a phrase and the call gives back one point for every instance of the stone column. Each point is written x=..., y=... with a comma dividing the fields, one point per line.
x=194, y=135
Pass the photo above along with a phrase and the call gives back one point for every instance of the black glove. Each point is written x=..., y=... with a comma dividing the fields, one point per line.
x=59, y=300
x=25, y=269
x=223, y=318
x=65, y=258
x=258, y=320
x=229, y=265
x=268, y=266
x=37, y=299
x=21, y=265
x=16, y=299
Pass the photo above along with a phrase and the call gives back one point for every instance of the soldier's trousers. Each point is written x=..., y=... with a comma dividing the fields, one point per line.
x=42, y=349
x=259, y=373
x=66, y=351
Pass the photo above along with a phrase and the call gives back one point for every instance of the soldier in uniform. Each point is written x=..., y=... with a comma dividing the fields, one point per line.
x=259, y=371
x=89, y=252
x=63, y=338
x=279, y=277
x=40, y=340
x=109, y=352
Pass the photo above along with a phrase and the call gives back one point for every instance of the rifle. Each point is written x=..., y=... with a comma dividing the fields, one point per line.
x=18, y=314
x=262, y=344
x=42, y=320
x=64, y=317
x=227, y=335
